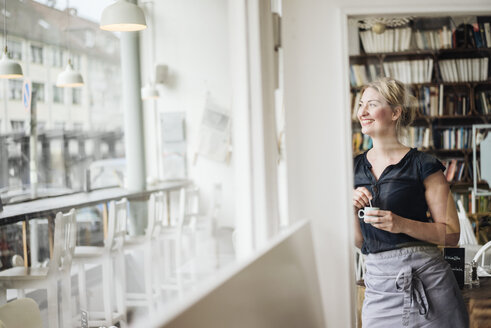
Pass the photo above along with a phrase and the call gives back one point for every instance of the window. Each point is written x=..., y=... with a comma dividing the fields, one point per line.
x=36, y=54
x=75, y=62
x=15, y=49
x=39, y=87
x=41, y=125
x=78, y=126
x=43, y=54
x=57, y=57
x=15, y=89
x=58, y=95
x=59, y=125
x=76, y=96
x=17, y=126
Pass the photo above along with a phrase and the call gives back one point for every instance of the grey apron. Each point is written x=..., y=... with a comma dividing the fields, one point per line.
x=411, y=287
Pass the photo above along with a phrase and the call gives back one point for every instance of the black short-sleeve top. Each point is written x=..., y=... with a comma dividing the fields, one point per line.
x=399, y=189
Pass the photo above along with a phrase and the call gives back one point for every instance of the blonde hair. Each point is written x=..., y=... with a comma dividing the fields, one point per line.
x=397, y=95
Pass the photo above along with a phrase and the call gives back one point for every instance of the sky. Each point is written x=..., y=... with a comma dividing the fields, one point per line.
x=89, y=9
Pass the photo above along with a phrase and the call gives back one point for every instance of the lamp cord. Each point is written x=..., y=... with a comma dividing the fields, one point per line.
x=66, y=29
x=5, y=23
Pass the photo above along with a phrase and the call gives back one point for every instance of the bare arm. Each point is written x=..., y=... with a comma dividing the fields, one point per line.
x=445, y=230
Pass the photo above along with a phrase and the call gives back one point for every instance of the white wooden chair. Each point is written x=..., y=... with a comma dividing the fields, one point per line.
x=111, y=257
x=179, y=267
x=148, y=244
x=22, y=312
x=171, y=242
x=58, y=270
x=481, y=253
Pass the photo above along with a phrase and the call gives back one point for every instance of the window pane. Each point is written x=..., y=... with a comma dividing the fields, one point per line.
x=15, y=49
x=15, y=89
x=58, y=95
x=17, y=126
x=36, y=54
x=94, y=110
x=57, y=57
x=39, y=87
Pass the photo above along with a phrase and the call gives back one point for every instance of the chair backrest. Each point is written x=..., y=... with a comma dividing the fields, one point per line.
x=176, y=220
x=116, y=225
x=22, y=312
x=156, y=214
x=65, y=238
x=481, y=253
x=192, y=201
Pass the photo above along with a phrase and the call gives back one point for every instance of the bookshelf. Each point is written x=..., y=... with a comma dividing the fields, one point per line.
x=446, y=63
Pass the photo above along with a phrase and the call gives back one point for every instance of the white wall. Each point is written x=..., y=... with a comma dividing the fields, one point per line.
x=192, y=40
x=318, y=130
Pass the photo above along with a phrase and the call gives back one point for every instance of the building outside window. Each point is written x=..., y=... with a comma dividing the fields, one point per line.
x=75, y=61
x=17, y=126
x=40, y=91
x=43, y=55
x=76, y=96
x=41, y=125
x=15, y=89
x=77, y=126
x=15, y=49
x=36, y=54
x=59, y=125
x=58, y=95
x=57, y=57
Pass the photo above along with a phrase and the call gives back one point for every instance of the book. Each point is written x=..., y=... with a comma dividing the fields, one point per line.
x=487, y=31
x=483, y=36
x=452, y=167
x=440, y=100
x=484, y=68
x=477, y=35
x=484, y=26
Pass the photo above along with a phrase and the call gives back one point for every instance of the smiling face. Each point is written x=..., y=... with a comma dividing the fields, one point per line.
x=376, y=116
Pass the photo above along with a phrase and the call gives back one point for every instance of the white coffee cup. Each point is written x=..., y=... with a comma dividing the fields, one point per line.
x=361, y=213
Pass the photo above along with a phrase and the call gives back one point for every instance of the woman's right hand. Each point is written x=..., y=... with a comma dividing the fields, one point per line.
x=361, y=197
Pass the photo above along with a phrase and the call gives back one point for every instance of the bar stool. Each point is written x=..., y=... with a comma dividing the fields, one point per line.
x=22, y=312
x=148, y=244
x=58, y=270
x=111, y=258
x=170, y=248
x=180, y=270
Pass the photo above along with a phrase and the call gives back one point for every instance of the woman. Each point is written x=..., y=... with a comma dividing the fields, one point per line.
x=408, y=283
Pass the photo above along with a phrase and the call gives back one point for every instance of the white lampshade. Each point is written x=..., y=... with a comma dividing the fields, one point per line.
x=123, y=16
x=9, y=69
x=149, y=92
x=69, y=78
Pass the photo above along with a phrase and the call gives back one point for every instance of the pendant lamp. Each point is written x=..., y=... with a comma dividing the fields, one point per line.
x=9, y=69
x=69, y=78
x=123, y=16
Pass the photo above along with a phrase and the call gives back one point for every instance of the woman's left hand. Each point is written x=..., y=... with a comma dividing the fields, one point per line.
x=385, y=220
